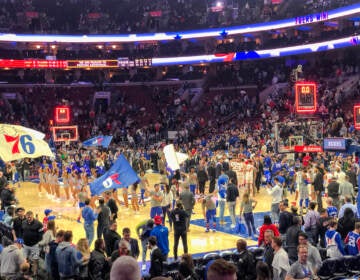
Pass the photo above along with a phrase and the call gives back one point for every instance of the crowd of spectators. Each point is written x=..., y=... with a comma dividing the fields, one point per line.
x=94, y=17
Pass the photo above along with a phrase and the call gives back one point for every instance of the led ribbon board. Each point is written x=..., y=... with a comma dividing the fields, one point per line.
x=212, y=32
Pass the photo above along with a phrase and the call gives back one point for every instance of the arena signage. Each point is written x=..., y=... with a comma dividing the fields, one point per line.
x=357, y=117
x=334, y=144
x=305, y=97
x=308, y=149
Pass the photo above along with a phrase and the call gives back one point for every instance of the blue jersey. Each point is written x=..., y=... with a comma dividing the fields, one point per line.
x=332, y=211
x=276, y=167
x=162, y=236
x=222, y=191
x=267, y=162
x=352, y=243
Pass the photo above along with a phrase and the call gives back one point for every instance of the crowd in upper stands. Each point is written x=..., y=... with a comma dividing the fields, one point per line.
x=84, y=17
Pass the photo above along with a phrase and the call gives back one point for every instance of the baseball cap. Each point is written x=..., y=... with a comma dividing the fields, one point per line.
x=19, y=241
x=51, y=218
x=47, y=211
x=157, y=220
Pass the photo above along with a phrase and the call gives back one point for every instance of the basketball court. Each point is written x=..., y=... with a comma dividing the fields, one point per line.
x=198, y=240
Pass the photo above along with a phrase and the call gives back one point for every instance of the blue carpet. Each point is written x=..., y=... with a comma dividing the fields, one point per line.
x=239, y=230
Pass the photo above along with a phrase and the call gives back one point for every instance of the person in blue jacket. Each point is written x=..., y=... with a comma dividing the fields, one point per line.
x=67, y=259
x=89, y=215
x=162, y=236
x=222, y=186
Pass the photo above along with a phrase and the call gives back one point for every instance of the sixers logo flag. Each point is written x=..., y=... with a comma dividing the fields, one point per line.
x=18, y=142
x=99, y=141
x=120, y=175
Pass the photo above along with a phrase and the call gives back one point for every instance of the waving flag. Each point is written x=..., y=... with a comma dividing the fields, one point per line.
x=120, y=175
x=174, y=159
x=18, y=142
x=99, y=141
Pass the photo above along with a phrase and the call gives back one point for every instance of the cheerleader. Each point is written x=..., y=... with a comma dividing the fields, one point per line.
x=66, y=182
x=134, y=198
x=55, y=181
x=41, y=179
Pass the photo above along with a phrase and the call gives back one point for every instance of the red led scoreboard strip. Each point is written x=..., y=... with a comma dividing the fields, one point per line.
x=33, y=63
x=92, y=63
x=72, y=64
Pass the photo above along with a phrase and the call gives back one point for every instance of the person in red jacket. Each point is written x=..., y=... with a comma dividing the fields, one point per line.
x=267, y=225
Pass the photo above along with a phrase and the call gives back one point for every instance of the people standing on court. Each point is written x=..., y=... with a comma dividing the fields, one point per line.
x=111, y=203
x=162, y=236
x=193, y=180
x=319, y=186
x=156, y=197
x=212, y=176
x=222, y=183
x=166, y=204
x=187, y=199
x=209, y=212
x=246, y=208
x=202, y=178
x=333, y=192
x=103, y=218
x=179, y=218
x=232, y=194
x=276, y=193
x=143, y=231
x=89, y=215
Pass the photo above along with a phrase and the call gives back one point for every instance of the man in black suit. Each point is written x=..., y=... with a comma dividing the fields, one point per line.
x=134, y=244
x=111, y=237
x=246, y=263
x=156, y=258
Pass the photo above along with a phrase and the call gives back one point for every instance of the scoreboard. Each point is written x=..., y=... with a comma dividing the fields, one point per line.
x=305, y=97
x=357, y=117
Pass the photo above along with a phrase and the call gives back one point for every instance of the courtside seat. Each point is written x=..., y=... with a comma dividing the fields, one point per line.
x=210, y=256
x=354, y=265
x=328, y=268
x=226, y=255
x=257, y=252
x=170, y=266
x=341, y=266
x=322, y=252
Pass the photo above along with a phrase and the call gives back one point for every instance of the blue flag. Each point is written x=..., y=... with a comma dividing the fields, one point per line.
x=120, y=175
x=98, y=141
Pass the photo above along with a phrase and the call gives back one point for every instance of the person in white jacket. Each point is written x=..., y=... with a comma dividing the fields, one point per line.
x=166, y=204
